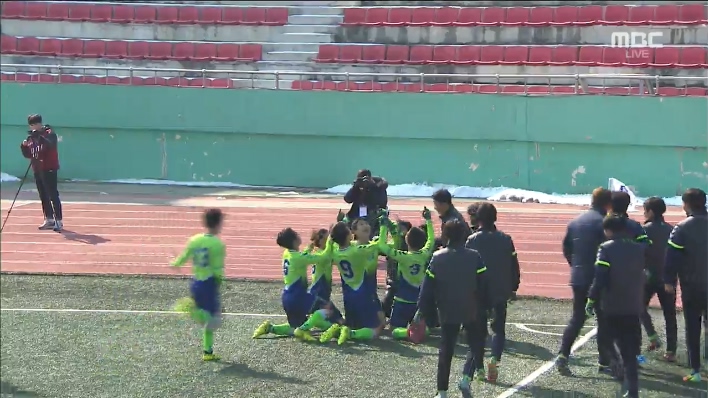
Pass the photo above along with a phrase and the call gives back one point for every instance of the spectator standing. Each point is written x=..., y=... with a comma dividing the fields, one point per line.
x=367, y=196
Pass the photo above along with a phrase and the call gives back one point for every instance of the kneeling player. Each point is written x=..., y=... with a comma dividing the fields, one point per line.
x=323, y=311
x=297, y=302
x=207, y=253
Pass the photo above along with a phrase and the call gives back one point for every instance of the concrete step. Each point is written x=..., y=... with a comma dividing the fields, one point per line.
x=316, y=11
x=304, y=38
x=331, y=29
x=298, y=47
x=315, y=19
x=289, y=56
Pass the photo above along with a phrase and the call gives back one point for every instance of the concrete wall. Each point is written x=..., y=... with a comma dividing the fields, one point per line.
x=569, y=144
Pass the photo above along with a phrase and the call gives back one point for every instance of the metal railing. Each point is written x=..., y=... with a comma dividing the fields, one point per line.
x=283, y=79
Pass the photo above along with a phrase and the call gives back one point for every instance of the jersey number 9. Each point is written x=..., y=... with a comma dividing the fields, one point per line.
x=201, y=257
x=286, y=267
x=415, y=269
x=346, y=268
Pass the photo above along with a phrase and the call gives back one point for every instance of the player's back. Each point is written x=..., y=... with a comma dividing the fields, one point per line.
x=208, y=253
x=295, y=266
x=352, y=263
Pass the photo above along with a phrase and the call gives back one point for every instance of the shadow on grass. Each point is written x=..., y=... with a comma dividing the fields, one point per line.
x=243, y=370
x=14, y=391
x=670, y=383
x=537, y=391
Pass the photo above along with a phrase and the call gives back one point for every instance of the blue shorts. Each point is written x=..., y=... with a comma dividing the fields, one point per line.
x=361, y=309
x=297, y=306
x=206, y=295
x=402, y=314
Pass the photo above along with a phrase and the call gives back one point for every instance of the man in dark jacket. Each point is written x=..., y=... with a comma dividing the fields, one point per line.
x=582, y=238
x=367, y=196
x=687, y=261
x=40, y=147
x=455, y=285
x=658, y=232
x=442, y=201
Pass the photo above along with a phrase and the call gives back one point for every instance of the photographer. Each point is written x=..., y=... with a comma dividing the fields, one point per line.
x=367, y=195
x=40, y=147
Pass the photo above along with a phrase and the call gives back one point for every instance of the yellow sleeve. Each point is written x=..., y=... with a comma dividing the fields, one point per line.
x=431, y=236
x=187, y=253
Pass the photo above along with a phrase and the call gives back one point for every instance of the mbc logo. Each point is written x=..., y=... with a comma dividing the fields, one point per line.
x=635, y=39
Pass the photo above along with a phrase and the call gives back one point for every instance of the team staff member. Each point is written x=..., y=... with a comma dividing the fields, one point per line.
x=687, y=259
x=583, y=236
x=40, y=147
x=367, y=196
x=658, y=231
x=620, y=204
x=442, y=201
x=455, y=283
x=619, y=260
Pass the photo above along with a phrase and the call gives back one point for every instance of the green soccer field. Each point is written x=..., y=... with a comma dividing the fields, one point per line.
x=116, y=337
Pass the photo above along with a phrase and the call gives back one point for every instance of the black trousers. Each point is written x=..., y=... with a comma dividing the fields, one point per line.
x=48, y=191
x=605, y=347
x=449, y=333
x=694, y=311
x=626, y=332
x=668, y=307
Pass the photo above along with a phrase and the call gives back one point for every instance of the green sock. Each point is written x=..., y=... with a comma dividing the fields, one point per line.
x=282, y=330
x=208, y=340
x=200, y=316
x=316, y=320
x=363, y=334
x=400, y=333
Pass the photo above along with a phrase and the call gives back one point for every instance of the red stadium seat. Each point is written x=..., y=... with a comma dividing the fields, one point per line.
x=254, y=16
x=347, y=86
x=327, y=53
x=640, y=15
x=396, y=54
x=564, y=56
x=141, y=81
x=116, y=49
x=45, y=78
x=115, y=80
x=437, y=88
x=444, y=16
x=516, y=16
x=49, y=47
x=197, y=82
x=488, y=89
x=138, y=50
x=8, y=44
x=122, y=14
x=611, y=56
x=398, y=17
x=69, y=79
x=366, y=86
x=515, y=55
x=589, y=56
x=541, y=16
x=697, y=91
x=159, y=50
x=329, y=85
x=589, y=15
x=540, y=55
x=665, y=57
x=23, y=77
x=615, y=15
x=227, y=52
x=174, y=82
x=79, y=12
x=145, y=14
x=35, y=10
x=691, y=57
x=183, y=51
x=423, y=16
x=27, y=45
x=354, y=16
x=622, y=90
x=493, y=16
x=420, y=55
x=467, y=55
x=167, y=15
x=204, y=51
x=444, y=54
x=564, y=90
x=635, y=57
x=250, y=53
x=231, y=16
x=491, y=55
x=373, y=54
x=101, y=13
x=411, y=87
x=94, y=80
x=376, y=16
x=665, y=15
x=13, y=9
x=691, y=14
x=535, y=90
x=670, y=91
x=388, y=87
x=72, y=48
x=94, y=48
x=221, y=83
x=513, y=89
x=463, y=88
x=349, y=54
x=276, y=16
x=305, y=85
x=187, y=15
x=566, y=15
x=208, y=15
x=469, y=17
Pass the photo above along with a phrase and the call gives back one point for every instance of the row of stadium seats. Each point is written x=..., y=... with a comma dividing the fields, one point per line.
x=348, y=86
x=120, y=49
x=669, y=14
x=122, y=13
x=665, y=57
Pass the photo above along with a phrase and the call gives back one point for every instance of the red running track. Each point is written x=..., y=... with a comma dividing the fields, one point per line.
x=141, y=240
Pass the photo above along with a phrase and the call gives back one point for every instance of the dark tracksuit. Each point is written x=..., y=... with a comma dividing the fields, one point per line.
x=373, y=196
x=454, y=287
x=503, y=277
x=658, y=231
x=582, y=239
x=687, y=259
x=41, y=150
x=619, y=288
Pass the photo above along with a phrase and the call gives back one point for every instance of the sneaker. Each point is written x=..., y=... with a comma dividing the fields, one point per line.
x=210, y=356
x=58, y=225
x=694, y=377
x=344, y=335
x=330, y=333
x=465, y=388
x=492, y=371
x=262, y=330
x=304, y=335
x=669, y=356
x=654, y=344
x=47, y=225
x=562, y=366
x=480, y=376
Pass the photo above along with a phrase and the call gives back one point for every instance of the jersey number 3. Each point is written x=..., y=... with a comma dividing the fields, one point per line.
x=201, y=257
x=346, y=268
x=415, y=269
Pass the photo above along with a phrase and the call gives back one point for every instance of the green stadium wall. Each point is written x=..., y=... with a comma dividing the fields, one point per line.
x=567, y=144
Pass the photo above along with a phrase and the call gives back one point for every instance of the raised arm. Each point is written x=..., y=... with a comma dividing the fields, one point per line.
x=186, y=254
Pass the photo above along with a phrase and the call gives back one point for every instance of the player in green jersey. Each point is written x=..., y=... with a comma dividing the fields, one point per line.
x=321, y=286
x=362, y=233
x=207, y=253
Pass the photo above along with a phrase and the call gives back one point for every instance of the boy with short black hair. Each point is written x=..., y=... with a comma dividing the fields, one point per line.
x=620, y=260
x=620, y=204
